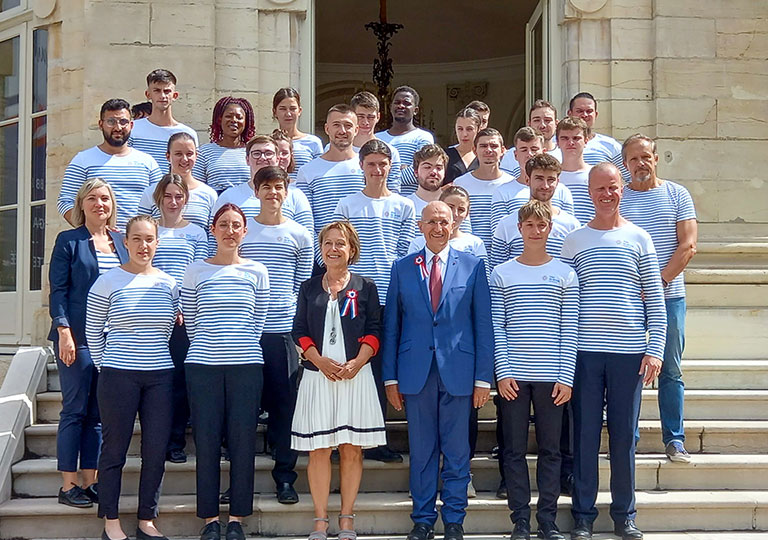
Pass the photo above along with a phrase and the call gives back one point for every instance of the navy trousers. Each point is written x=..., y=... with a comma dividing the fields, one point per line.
x=179, y=345
x=79, y=433
x=614, y=376
x=438, y=423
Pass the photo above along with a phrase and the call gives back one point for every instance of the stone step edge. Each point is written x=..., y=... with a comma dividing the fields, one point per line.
x=695, y=275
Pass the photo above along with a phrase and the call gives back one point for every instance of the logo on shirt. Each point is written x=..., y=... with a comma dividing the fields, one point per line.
x=394, y=214
x=552, y=279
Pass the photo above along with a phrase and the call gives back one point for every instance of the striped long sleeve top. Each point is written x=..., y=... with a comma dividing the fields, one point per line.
x=535, y=312
x=578, y=183
x=225, y=308
x=221, y=167
x=286, y=251
x=198, y=210
x=510, y=197
x=139, y=311
x=602, y=148
x=407, y=144
x=178, y=248
x=508, y=244
x=620, y=290
x=480, y=197
x=386, y=227
x=305, y=150
x=128, y=175
x=153, y=139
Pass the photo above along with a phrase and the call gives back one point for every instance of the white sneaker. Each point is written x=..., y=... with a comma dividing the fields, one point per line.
x=676, y=452
x=471, y=493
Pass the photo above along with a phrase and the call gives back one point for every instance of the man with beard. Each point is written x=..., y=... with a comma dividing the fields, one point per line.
x=542, y=117
x=429, y=164
x=128, y=171
x=405, y=136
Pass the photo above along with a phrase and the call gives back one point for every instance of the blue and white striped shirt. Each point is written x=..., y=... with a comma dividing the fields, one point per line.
x=393, y=178
x=480, y=198
x=225, y=307
x=535, y=312
x=509, y=198
x=106, y=261
x=153, y=139
x=325, y=183
x=286, y=251
x=128, y=175
x=658, y=211
x=508, y=244
x=198, y=210
x=140, y=311
x=578, y=183
x=305, y=150
x=295, y=207
x=619, y=289
x=510, y=165
x=385, y=226
x=407, y=145
x=602, y=148
x=221, y=167
x=177, y=248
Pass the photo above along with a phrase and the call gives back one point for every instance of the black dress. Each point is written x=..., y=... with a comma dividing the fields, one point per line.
x=456, y=165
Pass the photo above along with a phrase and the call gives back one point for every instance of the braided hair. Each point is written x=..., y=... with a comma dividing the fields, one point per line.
x=249, y=130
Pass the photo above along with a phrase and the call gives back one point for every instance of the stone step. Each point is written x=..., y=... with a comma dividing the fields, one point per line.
x=39, y=477
x=725, y=374
x=388, y=513
x=730, y=253
x=717, y=295
x=709, y=436
x=726, y=333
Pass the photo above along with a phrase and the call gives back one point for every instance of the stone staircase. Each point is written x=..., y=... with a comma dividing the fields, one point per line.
x=724, y=489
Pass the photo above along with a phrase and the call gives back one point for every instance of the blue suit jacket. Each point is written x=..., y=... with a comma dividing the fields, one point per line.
x=459, y=335
x=73, y=270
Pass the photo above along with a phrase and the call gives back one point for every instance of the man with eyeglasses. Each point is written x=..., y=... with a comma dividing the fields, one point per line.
x=437, y=361
x=128, y=171
x=260, y=152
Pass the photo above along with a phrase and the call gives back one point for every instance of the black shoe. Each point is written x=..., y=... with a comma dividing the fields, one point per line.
x=453, y=531
x=105, y=536
x=224, y=498
x=582, y=530
x=92, y=492
x=383, y=454
x=176, y=456
x=421, y=531
x=75, y=497
x=566, y=485
x=549, y=531
x=286, y=494
x=627, y=530
x=235, y=531
x=211, y=531
x=522, y=530
x=501, y=493
x=495, y=452
x=141, y=535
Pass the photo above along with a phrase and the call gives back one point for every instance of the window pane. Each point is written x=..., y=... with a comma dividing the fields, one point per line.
x=8, y=250
x=40, y=71
x=538, y=59
x=37, y=247
x=39, y=130
x=9, y=163
x=9, y=78
x=8, y=4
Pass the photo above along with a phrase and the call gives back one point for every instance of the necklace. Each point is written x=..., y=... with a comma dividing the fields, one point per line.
x=334, y=316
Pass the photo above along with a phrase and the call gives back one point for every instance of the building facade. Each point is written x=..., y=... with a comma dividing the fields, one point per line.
x=691, y=73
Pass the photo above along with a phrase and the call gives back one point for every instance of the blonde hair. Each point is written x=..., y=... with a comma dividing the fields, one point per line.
x=349, y=233
x=165, y=181
x=77, y=217
x=534, y=209
x=141, y=217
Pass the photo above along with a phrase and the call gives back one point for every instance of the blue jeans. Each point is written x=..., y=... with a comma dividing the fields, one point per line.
x=671, y=387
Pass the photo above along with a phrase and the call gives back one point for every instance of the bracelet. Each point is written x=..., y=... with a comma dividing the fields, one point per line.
x=664, y=283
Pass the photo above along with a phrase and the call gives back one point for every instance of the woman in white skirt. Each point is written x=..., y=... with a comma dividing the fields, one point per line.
x=337, y=326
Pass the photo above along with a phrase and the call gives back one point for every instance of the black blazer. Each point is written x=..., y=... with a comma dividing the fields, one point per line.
x=73, y=270
x=309, y=322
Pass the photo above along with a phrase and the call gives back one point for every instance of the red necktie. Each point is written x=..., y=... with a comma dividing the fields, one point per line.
x=435, y=283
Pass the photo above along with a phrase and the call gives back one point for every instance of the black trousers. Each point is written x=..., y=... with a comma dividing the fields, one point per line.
x=179, y=345
x=516, y=417
x=500, y=437
x=566, y=444
x=281, y=365
x=224, y=398
x=121, y=394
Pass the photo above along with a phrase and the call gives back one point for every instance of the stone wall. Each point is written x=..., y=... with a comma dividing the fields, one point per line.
x=692, y=73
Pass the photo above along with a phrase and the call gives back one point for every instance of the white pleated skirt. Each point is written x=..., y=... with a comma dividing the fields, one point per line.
x=331, y=413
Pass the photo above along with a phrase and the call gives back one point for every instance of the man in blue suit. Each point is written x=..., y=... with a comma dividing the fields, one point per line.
x=437, y=357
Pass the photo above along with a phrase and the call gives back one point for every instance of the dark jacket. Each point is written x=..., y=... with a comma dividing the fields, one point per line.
x=73, y=270
x=309, y=322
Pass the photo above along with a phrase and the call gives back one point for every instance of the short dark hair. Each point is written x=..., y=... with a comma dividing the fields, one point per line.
x=585, y=95
x=341, y=108
x=364, y=99
x=259, y=139
x=541, y=104
x=161, y=76
x=526, y=134
x=285, y=93
x=543, y=162
x=478, y=106
x=428, y=151
x=571, y=123
x=489, y=132
x=408, y=90
x=273, y=172
x=115, y=104
x=534, y=209
x=141, y=110
x=375, y=146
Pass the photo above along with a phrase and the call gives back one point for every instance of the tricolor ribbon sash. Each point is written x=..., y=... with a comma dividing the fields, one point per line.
x=422, y=266
x=350, y=304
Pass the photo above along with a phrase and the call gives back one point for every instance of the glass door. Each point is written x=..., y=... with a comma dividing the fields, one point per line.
x=537, y=55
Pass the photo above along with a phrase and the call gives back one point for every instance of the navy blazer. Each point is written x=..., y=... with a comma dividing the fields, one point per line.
x=73, y=270
x=459, y=336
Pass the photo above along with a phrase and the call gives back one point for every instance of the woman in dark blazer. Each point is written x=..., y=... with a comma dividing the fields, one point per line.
x=79, y=256
x=337, y=326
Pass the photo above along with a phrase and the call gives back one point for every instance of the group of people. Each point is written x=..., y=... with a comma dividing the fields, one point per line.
x=267, y=274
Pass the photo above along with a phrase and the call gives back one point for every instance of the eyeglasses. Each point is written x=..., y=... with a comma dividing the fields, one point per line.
x=112, y=122
x=257, y=154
